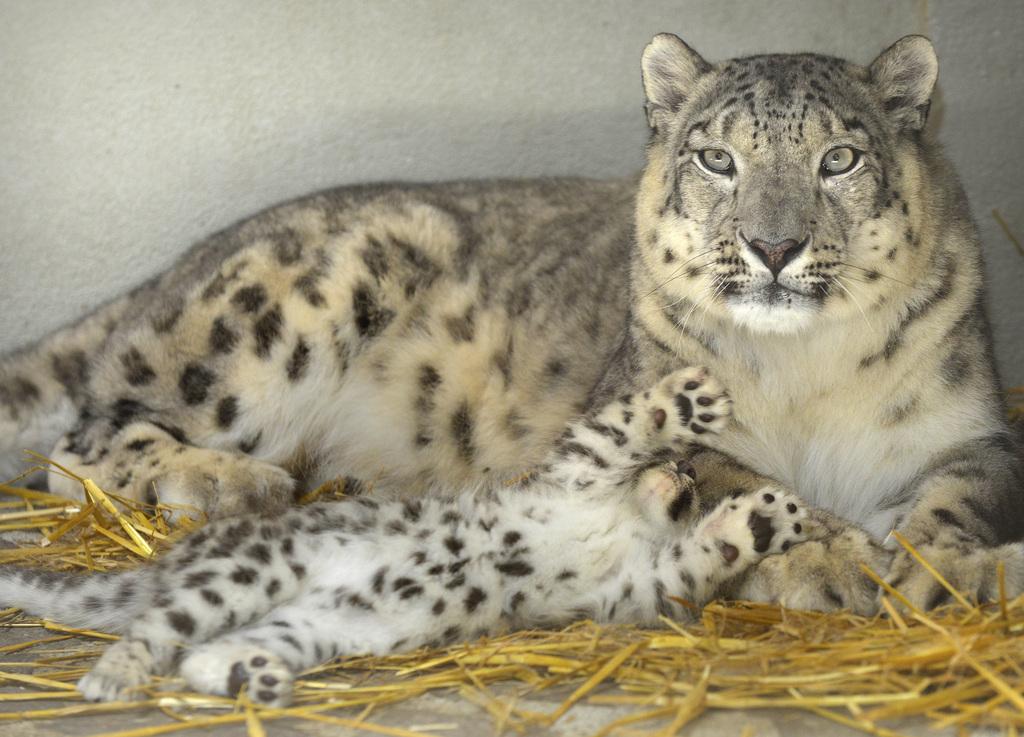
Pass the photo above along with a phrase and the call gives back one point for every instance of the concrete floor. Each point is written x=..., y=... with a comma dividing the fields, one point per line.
x=439, y=713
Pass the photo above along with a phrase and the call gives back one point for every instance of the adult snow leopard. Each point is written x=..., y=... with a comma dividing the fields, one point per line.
x=250, y=601
x=794, y=229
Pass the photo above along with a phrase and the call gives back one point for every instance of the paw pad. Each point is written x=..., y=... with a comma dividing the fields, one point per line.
x=763, y=531
x=266, y=682
x=691, y=403
x=729, y=552
x=660, y=416
x=237, y=678
x=745, y=528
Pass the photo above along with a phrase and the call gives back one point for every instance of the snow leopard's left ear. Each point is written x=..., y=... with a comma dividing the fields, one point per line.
x=670, y=70
x=904, y=75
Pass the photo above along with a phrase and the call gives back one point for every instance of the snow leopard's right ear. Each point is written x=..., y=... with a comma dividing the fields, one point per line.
x=904, y=75
x=670, y=69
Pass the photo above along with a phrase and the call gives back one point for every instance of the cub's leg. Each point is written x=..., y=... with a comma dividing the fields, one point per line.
x=144, y=461
x=227, y=574
x=225, y=666
x=685, y=407
x=152, y=645
x=265, y=657
x=736, y=535
x=822, y=574
x=394, y=607
x=667, y=490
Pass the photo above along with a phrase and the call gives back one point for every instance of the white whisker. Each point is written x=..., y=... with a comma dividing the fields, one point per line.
x=875, y=271
x=685, y=297
x=676, y=271
x=723, y=284
x=705, y=298
x=863, y=314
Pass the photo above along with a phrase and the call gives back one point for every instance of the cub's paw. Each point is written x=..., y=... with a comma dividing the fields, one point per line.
x=667, y=490
x=118, y=674
x=688, y=403
x=745, y=529
x=225, y=668
x=973, y=571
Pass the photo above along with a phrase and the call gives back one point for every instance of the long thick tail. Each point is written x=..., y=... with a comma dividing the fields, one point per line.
x=104, y=601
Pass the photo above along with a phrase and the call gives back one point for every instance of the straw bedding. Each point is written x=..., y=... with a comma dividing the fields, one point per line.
x=959, y=666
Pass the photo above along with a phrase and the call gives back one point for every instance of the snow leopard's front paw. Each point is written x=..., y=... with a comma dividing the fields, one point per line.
x=119, y=673
x=688, y=403
x=225, y=668
x=668, y=491
x=971, y=570
x=745, y=529
x=823, y=574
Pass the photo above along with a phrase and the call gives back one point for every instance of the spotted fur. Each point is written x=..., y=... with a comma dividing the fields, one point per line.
x=432, y=336
x=862, y=368
x=251, y=601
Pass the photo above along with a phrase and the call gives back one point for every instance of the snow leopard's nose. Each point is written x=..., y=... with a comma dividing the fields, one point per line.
x=776, y=255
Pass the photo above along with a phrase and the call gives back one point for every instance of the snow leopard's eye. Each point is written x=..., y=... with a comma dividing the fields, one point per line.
x=839, y=161
x=716, y=160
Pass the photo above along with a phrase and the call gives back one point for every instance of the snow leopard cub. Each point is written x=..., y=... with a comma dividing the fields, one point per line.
x=251, y=601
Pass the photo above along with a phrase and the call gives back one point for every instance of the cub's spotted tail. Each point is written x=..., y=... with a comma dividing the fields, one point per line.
x=103, y=601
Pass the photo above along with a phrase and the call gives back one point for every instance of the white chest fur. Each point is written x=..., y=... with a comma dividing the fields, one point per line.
x=807, y=416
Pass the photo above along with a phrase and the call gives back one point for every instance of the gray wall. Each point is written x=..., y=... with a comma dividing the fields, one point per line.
x=130, y=129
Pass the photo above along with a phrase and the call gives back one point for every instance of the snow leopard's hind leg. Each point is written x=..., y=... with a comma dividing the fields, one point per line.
x=43, y=388
x=150, y=461
x=265, y=361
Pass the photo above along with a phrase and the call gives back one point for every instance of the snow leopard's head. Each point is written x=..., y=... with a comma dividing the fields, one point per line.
x=783, y=189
